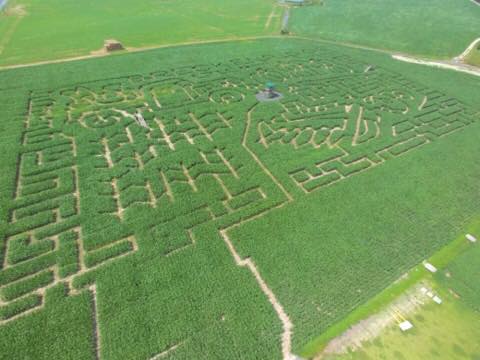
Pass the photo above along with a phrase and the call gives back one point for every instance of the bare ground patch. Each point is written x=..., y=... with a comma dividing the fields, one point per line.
x=17, y=10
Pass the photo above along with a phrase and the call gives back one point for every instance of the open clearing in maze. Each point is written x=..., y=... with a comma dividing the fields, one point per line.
x=133, y=189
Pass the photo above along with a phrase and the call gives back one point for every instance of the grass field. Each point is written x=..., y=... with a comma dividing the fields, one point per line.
x=473, y=58
x=152, y=208
x=53, y=29
x=449, y=330
x=435, y=28
x=462, y=277
x=443, y=332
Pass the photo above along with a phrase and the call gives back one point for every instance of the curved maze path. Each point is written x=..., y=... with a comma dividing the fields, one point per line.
x=173, y=150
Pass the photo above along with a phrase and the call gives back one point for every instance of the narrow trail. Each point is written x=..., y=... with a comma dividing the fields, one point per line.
x=8, y=35
x=96, y=330
x=448, y=65
x=455, y=64
x=257, y=160
x=287, y=325
x=139, y=49
x=270, y=17
x=463, y=55
x=282, y=315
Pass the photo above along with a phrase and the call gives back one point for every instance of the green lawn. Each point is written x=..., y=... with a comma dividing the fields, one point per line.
x=54, y=29
x=435, y=28
x=447, y=331
x=473, y=58
x=121, y=174
x=462, y=277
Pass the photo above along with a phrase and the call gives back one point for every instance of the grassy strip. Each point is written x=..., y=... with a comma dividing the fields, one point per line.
x=440, y=260
x=19, y=306
x=25, y=286
x=473, y=58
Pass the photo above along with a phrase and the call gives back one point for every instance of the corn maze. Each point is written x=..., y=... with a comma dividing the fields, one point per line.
x=163, y=153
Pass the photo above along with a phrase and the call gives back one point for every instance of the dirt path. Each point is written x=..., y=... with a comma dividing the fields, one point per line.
x=282, y=315
x=97, y=54
x=463, y=55
x=8, y=35
x=449, y=65
x=287, y=325
x=270, y=17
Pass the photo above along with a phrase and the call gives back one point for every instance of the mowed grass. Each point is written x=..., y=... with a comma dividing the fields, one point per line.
x=462, y=277
x=447, y=331
x=435, y=28
x=56, y=29
x=322, y=254
x=473, y=58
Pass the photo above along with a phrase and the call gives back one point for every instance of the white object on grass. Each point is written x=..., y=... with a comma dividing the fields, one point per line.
x=430, y=294
x=471, y=238
x=437, y=299
x=430, y=267
x=424, y=290
x=406, y=325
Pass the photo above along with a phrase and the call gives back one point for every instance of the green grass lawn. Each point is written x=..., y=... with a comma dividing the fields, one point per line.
x=436, y=28
x=462, y=277
x=56, y=29
x=120, y=175
x=447, y=331
x=473, y=58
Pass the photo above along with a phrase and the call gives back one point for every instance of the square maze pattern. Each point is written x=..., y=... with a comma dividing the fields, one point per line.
x=183, y=147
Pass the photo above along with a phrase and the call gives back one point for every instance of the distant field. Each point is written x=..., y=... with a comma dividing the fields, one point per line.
x=35, y=30
x=434, y=28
